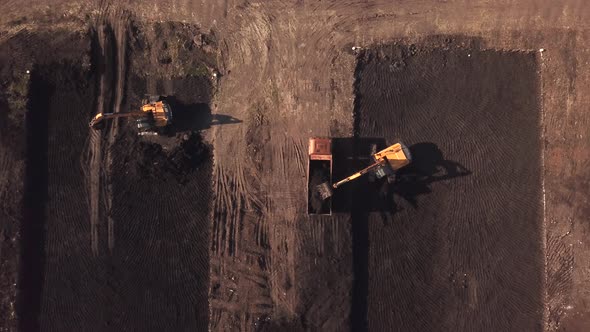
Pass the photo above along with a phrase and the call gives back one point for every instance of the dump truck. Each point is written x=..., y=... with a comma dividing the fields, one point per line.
x=319, y=170
x=154, y=116
x=385, y=163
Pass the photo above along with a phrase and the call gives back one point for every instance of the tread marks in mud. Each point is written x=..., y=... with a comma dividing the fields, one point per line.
x=240, y=250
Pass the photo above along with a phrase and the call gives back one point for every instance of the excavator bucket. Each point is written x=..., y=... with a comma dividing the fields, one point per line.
x=97, y=122
x=324, y=190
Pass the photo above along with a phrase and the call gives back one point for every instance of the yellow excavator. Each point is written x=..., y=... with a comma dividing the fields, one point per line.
x=152, y=118
x=385, y=163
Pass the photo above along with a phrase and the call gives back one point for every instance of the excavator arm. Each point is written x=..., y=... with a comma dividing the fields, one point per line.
x=98, y=121
x=395, y=156
x=359, y=173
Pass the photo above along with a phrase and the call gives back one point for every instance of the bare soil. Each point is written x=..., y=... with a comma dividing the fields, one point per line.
x=207, y=227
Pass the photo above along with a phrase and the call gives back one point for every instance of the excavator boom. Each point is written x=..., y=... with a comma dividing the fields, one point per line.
x=359, y=173
x=393, y=157
x=99, y=119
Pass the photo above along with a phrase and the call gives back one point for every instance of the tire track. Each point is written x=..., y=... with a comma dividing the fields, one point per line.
x=110, y=55
x=94, y=154
x=120, y=21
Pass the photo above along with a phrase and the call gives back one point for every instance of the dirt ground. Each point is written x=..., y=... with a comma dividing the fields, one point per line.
x=460, y=228
x=487, y=231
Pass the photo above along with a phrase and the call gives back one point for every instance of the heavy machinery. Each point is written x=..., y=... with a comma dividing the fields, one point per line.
x=319, y=171
x=385, y=163
x=152, y=119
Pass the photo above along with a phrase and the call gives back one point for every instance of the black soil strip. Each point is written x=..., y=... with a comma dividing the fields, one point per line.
x=360, y=257
x=72, y=278
x=160, y=207
x=156, y=278
x=34, y=206
x=22, y=252
x=455, y=242
x=162, y=194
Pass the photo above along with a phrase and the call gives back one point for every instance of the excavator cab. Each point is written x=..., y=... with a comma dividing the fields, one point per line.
x=157, y=116
x=397, y=156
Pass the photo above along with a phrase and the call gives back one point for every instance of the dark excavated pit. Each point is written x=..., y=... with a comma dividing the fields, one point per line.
x=151, y=269
x=455, y=242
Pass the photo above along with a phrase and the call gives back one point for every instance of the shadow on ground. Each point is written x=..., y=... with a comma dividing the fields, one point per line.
x=377, y=195
x=195, y=117
x=352, y=154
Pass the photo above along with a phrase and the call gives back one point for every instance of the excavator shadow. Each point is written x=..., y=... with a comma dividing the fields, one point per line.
x=428, y=166
x=195, y=117
x=369, y=194
x=365, y=196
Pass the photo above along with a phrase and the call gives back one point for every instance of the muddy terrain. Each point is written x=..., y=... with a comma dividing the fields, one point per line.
x=207, y=226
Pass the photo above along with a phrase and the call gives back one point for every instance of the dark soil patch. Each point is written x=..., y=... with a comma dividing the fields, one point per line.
x=34, y=203
x=455, y=243
x=172, y=49
x=151, y=161
x=69, y=280
x=24, y=191
x=160, y=206
x=156, y=276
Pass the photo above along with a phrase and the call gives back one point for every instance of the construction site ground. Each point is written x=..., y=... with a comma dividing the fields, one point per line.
x=207, y=227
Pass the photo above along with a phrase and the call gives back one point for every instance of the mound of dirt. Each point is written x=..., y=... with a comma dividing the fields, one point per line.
x=150, y=160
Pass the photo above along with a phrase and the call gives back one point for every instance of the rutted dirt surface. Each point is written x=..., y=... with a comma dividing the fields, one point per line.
x=435, y=252
x=460, y=228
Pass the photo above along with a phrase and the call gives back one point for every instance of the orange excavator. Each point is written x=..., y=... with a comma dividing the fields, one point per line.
x=385, y=163
x=152, y=118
